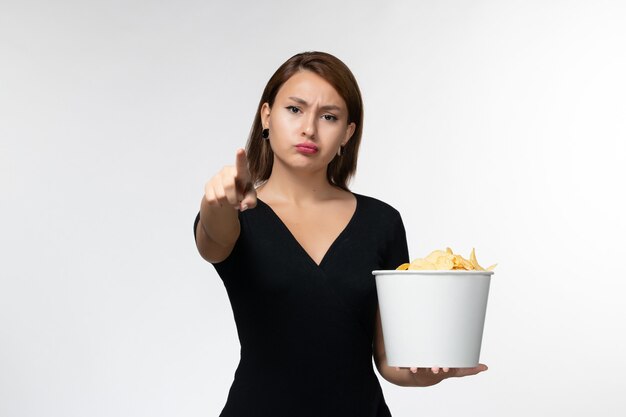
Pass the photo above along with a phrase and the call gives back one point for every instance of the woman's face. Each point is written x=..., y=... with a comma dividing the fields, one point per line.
x=307, y=123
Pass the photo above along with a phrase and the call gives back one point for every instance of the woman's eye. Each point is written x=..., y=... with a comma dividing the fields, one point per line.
x=293, y=109
x=329, y=117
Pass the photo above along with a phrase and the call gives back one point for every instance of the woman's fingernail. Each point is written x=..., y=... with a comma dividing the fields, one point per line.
x=244, y=207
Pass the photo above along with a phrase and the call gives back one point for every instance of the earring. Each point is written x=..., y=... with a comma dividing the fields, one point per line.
x=340, y=151
x=266, y=134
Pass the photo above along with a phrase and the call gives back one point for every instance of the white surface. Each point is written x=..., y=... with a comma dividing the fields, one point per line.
x=497, y=125
x=432, y=318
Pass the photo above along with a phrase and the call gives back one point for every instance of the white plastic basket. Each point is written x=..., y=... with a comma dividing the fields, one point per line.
x=433, y=318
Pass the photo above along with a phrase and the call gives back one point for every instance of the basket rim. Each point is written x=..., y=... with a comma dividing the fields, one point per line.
x=429, y=272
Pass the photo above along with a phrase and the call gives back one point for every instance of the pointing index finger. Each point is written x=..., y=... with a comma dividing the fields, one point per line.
x=241, y=164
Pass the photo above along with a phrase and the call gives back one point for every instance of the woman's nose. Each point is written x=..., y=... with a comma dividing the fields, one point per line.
x=309, y=126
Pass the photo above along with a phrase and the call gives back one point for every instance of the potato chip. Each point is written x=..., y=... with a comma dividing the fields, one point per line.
x=447, y=261
x=460, y=262
x=434, y=255
x=421, y=264
x=444, y=263
x=474, y=261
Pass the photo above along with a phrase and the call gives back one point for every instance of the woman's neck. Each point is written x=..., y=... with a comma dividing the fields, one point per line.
x=297, y=187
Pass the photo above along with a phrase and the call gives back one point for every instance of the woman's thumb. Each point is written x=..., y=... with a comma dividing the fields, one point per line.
x=249, y=199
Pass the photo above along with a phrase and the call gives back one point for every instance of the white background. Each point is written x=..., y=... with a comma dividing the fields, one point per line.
x=498, y=125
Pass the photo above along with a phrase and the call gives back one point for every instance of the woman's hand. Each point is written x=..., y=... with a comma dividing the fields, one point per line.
x=232, y=186
x=219, y=228
x=431, y=376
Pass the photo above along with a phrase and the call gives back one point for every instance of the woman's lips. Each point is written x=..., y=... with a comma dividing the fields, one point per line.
x=307, y=148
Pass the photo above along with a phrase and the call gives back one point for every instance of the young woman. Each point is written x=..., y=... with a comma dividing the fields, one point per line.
x=295, y=250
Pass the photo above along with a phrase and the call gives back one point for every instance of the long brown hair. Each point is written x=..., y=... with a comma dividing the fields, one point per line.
x=337, y=74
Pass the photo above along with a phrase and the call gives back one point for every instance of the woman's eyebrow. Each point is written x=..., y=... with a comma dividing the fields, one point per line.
x=326, y=107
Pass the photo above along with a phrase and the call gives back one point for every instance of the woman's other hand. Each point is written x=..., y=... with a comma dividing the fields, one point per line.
x=434, y=375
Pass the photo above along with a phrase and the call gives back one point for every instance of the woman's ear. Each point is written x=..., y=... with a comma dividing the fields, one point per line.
x=265, y=115
x=349, y=132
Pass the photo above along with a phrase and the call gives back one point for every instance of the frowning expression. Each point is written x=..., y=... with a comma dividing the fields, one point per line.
x=308, y=121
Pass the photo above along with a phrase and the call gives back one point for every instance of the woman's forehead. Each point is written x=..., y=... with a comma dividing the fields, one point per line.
x=310, y=87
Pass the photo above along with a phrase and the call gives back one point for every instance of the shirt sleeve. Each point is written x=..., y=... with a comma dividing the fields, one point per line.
x=397, y=251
